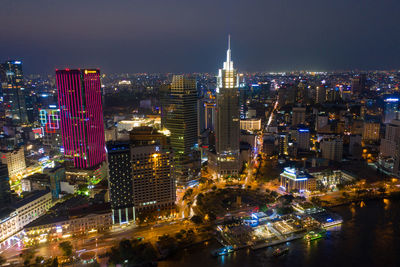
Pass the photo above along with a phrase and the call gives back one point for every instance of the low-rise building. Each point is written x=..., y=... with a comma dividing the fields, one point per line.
x=295, y=179
x=328, y=177
x=34, y=182
x=64, y=222
x=250, y=124
x=74, y=175
x=31, y=207
x=8, y=223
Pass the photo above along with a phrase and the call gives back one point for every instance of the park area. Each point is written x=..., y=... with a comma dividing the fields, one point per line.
x=219, y=202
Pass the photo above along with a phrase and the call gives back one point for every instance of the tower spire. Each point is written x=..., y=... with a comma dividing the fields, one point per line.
x=228, y=64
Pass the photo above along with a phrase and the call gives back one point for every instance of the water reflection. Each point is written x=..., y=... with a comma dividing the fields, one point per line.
x=353, y=209
x=387, y=203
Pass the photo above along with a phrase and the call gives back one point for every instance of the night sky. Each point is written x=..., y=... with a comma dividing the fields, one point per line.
x=191, y=35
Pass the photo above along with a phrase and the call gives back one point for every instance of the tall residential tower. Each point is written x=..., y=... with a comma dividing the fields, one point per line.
x=81, y=116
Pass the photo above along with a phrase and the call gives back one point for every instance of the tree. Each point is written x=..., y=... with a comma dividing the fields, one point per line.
x=39, y=259
x=211, y=216
x=125, y=249
x=345, y=195
x=202, y=180
x=2, y=260
x=55, y=262
x=178, y=236
x=196, y=219
x=274, y=194
x=294, y=191
x=200, y=198
x=382, y=190
x=316, y=200
x=66, y=247
x=284, y=210
x=188, y=193
x=27, y=256
x=340, y=186
x=163, y=237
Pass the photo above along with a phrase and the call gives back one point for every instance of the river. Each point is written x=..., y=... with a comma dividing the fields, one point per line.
x=369, y=236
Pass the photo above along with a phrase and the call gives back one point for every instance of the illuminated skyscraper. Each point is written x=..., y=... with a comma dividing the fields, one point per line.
x=181, y=121
x=13, y=95
x=81, y=116
x=153, y=177
x=120, y=181
x=226, y=161
x=391, y=109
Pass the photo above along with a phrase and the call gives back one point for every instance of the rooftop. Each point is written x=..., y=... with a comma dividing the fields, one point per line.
x=30, y=197
x=296, y=174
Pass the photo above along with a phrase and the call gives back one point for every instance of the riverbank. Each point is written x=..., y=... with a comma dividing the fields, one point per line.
x=368, y=233
x=392, y=195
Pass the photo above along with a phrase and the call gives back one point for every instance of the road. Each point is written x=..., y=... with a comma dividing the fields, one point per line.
x=101, y=242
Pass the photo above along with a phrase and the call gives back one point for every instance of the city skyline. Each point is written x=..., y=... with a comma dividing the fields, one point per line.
x=142, y=145
x=269, y=35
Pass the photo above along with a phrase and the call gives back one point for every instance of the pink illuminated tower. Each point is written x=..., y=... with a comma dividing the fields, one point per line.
x=81, y=116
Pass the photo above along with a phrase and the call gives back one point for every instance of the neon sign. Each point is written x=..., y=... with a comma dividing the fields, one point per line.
x=50, y=119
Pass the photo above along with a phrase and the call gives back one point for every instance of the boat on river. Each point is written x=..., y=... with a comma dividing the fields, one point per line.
x=223, y=251
x=314, y=235
x=280, y=252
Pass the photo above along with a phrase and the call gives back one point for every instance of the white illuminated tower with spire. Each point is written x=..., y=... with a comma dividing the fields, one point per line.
x=226, y=159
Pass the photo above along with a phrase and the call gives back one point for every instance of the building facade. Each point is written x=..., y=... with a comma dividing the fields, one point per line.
x=33, y=206
x=5, y=191
x=226, y=159
x=298, y=116
x=153, y=179
x=50, y=122
x=81, y=116
x=332, y=148
x=250, y=124
x=297, y=180
x=120, y=181
x=65, y=226
x=13, y=92
x=209, y=115
x=15, y=161
x=371, y=131
x=56, y=175
x=391, y=109
x=181, y=121
x=303, y=139
x=23, y=212
x=8, y=223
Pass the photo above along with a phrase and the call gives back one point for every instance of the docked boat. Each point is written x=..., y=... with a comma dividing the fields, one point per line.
x=280, y=251
x=222, y=251
x=313, y=235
